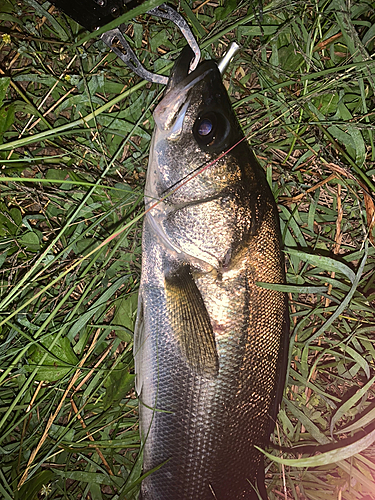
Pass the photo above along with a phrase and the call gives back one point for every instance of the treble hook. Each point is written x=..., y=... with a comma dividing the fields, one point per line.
x=118, y=44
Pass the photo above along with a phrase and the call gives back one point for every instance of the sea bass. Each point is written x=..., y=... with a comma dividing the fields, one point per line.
x=210, y=343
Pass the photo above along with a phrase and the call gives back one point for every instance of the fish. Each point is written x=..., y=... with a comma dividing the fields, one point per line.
x=210, y=342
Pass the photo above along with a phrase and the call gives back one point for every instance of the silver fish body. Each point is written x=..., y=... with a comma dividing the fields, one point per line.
x=210, y=344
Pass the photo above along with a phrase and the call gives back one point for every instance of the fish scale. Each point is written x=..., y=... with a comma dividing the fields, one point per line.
x=210, y=344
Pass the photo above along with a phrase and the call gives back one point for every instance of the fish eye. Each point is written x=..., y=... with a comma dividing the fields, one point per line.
x=205, y=127
x=210, y=130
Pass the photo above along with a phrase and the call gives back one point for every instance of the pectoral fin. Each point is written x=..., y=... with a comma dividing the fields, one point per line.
x=191, y=323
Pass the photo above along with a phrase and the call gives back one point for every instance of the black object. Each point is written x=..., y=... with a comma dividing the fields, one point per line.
x=92, y=14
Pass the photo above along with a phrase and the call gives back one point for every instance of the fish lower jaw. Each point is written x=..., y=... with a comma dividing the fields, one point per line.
x=159, y=232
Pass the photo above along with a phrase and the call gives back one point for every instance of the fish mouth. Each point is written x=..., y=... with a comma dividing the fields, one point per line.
x=169, y=114
x=181, y=68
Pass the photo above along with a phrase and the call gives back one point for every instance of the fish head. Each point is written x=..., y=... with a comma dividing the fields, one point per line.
x=194, y=125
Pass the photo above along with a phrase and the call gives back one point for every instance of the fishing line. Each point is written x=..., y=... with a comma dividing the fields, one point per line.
x=192, y=175
x=199, y=170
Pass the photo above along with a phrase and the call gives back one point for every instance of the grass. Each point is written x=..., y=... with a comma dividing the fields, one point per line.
x=75, y=128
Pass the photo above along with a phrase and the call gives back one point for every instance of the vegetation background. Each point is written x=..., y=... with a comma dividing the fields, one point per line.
x=75, y=129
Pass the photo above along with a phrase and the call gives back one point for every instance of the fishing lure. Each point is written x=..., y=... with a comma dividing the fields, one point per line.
x=93, y=14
